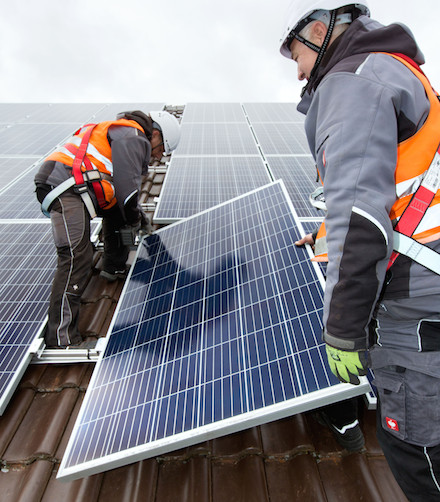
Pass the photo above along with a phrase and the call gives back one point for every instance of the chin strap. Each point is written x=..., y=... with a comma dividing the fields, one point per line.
x=320, y=50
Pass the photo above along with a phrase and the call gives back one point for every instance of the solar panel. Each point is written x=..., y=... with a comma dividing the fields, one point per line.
x=109, y=111
x=216, y=139
x=219, y=329
x=281, y=138
x=193, y=184
x=13, y=167
x=19, y=201
x=213, y=112
x=27, y=264
x=33, y=139
x=273, y=112
x=299, y=176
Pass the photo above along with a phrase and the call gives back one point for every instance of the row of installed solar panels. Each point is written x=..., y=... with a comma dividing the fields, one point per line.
x=218, y=327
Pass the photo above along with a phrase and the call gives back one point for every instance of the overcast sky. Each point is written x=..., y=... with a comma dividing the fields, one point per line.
x=175, y=51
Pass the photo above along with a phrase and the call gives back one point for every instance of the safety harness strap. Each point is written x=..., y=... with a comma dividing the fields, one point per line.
x=418, y=252
x=417, y=208
x=78, y=179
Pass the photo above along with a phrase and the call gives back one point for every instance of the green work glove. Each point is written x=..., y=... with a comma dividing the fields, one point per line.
x=347, y=365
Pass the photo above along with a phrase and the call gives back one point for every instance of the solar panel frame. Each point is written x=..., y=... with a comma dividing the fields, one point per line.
x=114, y=436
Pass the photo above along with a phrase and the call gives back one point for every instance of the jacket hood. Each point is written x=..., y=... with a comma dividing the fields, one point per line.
x=364, y=36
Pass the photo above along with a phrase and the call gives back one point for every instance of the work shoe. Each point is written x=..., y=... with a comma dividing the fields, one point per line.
x=349, y=436
x=113, y=276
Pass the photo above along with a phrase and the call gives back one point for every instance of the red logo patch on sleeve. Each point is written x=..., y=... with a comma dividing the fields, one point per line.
x=392, y=424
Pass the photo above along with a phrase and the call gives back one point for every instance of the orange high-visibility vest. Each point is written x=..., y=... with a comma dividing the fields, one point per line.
x=414, y=156
x=98, y=155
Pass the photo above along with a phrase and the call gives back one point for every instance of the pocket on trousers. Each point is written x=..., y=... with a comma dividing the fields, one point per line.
x=391, y=389
x=423, y=409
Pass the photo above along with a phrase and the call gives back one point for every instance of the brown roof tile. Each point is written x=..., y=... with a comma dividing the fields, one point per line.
x=25, y=483
x=42, y=426
x=239, y=480
x=296, y=478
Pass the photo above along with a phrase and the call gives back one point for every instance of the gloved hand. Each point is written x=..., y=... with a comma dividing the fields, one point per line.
x=348, y=366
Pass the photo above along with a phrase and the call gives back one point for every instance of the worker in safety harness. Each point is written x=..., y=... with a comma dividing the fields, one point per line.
x=373, y=127
x=97, y=172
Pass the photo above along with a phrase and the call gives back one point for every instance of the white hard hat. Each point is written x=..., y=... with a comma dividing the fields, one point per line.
x=169, y=127
x=301, y=9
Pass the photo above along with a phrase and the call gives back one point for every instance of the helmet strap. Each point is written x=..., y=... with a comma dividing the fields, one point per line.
x=322, y=50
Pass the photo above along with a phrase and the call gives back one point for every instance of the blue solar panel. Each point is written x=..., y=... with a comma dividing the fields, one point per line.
x=219, y=329
x=193, y=184
x=27, y=264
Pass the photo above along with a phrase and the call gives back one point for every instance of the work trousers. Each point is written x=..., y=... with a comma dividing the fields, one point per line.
x=71, y=233
x=415, y=468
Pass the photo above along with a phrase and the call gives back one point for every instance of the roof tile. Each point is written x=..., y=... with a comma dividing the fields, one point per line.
x=42, y=426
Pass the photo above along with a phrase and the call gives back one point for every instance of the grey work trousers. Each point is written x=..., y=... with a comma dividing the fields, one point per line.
x=71, y=233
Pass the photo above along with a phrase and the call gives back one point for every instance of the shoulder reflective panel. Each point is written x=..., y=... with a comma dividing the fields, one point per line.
x=418, y=183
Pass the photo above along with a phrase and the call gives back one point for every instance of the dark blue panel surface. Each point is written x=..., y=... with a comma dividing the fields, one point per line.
x=219, y=327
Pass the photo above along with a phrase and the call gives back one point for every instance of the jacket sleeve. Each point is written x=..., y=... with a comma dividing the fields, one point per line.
x=130, y=157
x=355, y=146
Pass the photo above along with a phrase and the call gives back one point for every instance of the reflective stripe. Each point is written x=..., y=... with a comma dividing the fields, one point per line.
x=373, y=220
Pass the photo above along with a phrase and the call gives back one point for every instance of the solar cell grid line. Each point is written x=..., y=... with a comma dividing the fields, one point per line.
x=218, y=329
x=273, y=112
x=281, y=138
x=299, y=176
x=27, y=264
x=216, y=139
x=193, y=184
x=213, y=112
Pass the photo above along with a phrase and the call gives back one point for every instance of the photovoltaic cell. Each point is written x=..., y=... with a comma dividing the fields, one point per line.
x=19, y=200
x=273, y=112
x=216, y=139
x=218, y=329
x=27, y=264
x=281, y=138
x=213, y=112
x=193, y=184
x=33, y=139
x=12, y=168
x=299, y=176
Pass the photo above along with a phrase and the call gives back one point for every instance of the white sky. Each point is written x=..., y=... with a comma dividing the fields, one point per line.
x=175, y=51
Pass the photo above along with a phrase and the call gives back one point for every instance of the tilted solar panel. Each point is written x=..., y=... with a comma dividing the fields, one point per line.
x=219, y=329
x=193, y=184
